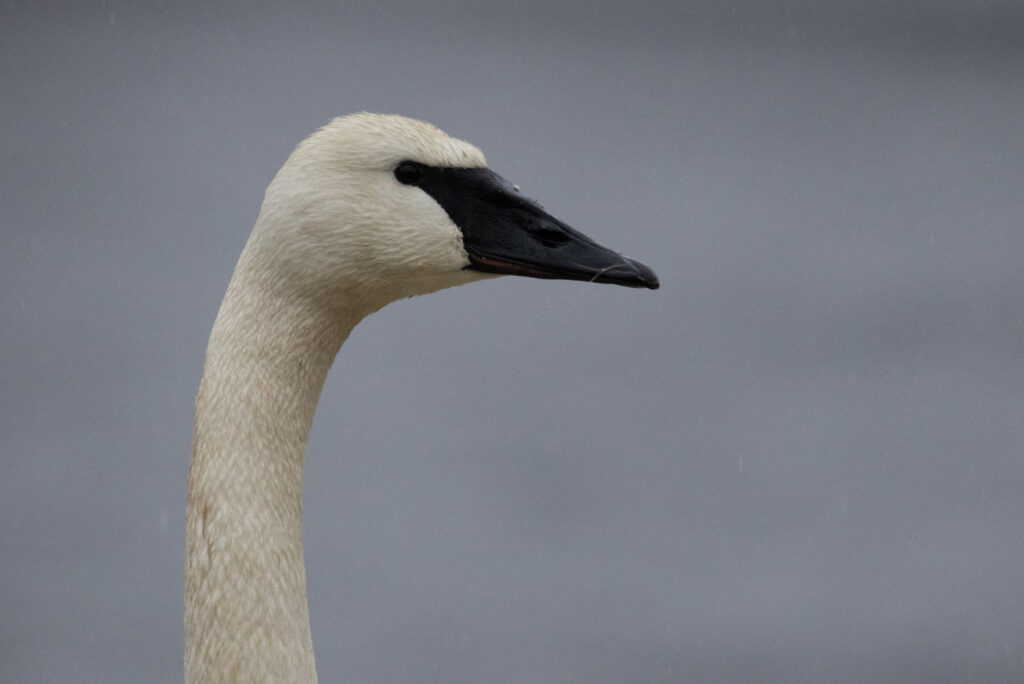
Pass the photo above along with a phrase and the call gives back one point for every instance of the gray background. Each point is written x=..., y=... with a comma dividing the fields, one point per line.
x=798, y=461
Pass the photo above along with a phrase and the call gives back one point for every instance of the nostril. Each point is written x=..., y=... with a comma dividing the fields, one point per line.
x=547, y=235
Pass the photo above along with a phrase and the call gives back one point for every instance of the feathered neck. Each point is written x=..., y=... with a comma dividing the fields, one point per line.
x=246, y=615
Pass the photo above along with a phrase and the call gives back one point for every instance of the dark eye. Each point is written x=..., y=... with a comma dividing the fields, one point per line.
x=408, y=173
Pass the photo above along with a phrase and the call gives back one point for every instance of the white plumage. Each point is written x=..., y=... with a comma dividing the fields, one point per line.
x=341, y=233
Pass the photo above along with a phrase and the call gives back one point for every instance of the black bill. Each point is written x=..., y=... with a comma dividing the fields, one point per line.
x=505, y=232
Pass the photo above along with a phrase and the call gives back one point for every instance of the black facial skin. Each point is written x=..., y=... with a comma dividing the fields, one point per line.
x=504, y=232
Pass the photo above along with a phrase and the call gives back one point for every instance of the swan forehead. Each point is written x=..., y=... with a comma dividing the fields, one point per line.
x=378, y=141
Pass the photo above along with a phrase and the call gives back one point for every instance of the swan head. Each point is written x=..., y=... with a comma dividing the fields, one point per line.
x=379, y=207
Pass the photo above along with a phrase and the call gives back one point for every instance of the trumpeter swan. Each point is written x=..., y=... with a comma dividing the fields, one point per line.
x=369, y=209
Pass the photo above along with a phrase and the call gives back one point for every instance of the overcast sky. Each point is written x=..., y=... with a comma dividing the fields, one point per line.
x=800, y=460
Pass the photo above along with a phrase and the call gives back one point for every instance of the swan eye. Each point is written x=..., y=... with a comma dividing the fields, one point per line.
x=408, y=173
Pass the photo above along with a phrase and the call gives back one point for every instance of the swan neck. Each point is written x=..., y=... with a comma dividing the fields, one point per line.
x=247, y=617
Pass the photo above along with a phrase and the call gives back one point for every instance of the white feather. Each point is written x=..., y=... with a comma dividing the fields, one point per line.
x=337, y=238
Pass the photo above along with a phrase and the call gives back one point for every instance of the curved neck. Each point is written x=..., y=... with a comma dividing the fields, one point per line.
x=246, y=614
